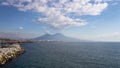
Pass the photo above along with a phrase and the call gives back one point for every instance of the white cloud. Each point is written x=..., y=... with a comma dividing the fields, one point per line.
x=57, y=11
x=114, y=36
x=109, y=35
x=21, y=28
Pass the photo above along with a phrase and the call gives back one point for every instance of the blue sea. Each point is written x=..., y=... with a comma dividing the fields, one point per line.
x=68, y=55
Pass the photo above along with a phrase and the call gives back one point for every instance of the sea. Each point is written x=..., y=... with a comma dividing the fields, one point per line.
x=68, y=55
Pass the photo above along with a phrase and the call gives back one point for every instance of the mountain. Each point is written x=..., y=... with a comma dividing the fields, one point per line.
x=56, y=37
x=12, y=35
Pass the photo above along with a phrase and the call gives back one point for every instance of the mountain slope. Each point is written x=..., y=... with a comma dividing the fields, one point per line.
x=56, y=37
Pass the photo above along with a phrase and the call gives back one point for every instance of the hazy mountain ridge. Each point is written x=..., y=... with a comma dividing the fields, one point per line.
x=56, y=37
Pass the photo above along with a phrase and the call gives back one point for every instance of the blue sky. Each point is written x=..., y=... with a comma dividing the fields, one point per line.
x=76, y=18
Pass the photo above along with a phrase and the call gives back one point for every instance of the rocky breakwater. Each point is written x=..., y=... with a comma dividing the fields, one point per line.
x=10, y=52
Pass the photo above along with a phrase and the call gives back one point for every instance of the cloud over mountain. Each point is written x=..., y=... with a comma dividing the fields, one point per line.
x=58, y=12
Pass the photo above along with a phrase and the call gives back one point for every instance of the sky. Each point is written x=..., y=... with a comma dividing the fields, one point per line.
x=83, y=19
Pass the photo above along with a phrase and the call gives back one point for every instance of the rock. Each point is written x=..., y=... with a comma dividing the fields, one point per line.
x=10, y=52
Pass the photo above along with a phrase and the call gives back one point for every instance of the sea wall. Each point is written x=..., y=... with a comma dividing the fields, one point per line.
x=10, y=52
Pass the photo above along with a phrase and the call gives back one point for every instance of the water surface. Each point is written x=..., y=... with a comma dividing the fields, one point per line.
x=67, y=55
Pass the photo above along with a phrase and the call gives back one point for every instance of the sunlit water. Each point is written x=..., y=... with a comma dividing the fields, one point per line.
x=67, y=55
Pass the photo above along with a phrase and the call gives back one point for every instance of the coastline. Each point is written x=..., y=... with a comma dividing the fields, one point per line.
x=10, y=52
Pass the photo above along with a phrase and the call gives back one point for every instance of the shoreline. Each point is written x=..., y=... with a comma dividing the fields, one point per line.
x=10, y=52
